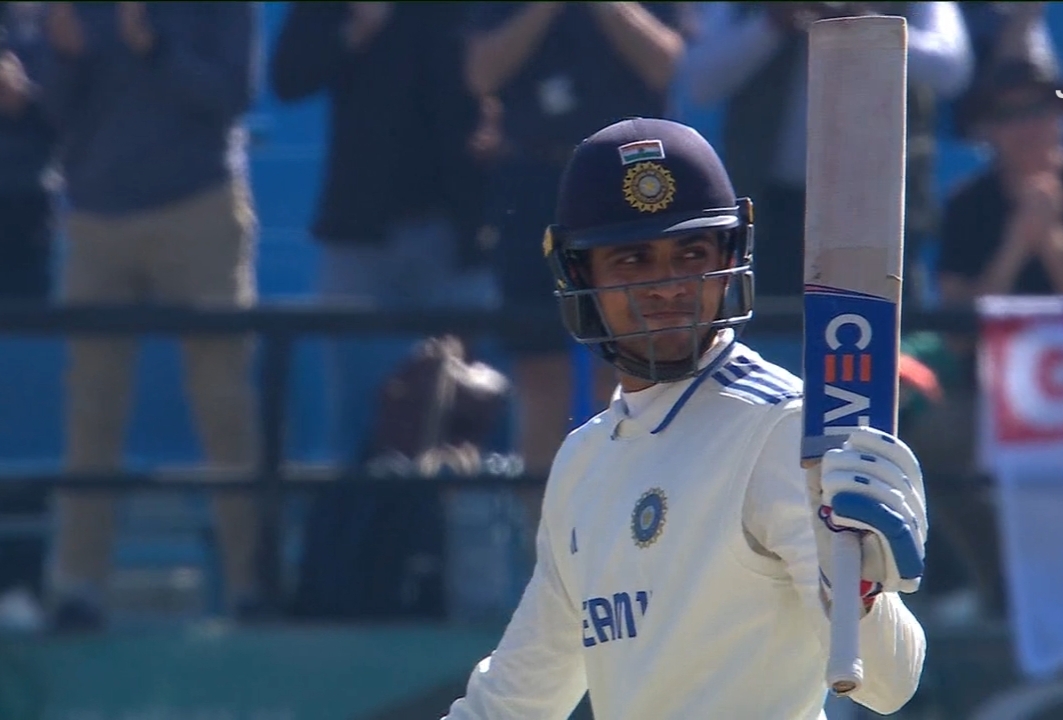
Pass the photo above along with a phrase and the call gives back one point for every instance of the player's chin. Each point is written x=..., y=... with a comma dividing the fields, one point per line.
x=664, y=346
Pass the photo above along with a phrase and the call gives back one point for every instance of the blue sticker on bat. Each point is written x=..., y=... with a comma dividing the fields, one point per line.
x=850, y=366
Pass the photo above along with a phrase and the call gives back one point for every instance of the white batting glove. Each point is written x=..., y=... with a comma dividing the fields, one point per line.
x=873, y=486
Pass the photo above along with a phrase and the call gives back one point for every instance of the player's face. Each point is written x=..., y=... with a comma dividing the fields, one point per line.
x=659, y=288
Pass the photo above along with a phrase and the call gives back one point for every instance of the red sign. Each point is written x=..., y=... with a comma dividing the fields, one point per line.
x=1022, y=376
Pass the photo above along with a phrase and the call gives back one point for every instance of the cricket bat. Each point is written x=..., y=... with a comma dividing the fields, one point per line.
x=854, y=230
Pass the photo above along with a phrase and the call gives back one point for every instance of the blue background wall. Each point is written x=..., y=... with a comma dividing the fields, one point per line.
x=285, y=164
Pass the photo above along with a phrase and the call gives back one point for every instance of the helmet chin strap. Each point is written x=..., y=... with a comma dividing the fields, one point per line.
x=664, y=371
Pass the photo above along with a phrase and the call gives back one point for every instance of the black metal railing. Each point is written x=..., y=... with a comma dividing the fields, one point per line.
x=278, y=327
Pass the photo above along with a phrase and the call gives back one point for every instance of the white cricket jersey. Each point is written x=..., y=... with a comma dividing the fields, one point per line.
x=647, y=590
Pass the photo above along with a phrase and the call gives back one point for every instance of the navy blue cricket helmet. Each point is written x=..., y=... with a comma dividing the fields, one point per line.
x=639, y=180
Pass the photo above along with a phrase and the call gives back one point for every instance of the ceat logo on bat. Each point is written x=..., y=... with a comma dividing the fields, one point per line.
x=850, y=365
x=1024, y=372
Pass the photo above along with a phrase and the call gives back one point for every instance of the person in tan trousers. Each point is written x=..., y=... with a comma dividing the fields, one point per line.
x=147, y=98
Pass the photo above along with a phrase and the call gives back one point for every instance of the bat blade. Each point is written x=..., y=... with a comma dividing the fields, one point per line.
x=854, y=229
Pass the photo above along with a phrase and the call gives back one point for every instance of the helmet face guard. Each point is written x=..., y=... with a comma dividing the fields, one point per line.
x=580, y=302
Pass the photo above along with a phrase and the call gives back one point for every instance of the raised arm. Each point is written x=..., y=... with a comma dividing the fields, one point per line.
x=939, y=48
x=778, y=514
x=536, y=672
x=319, y=39
x=20, y=72
x=65, y=72
x=213, y=69
x=308, y=50
x=495, y=55
x=650, y=47
x=727, y=52
x=1033, y=230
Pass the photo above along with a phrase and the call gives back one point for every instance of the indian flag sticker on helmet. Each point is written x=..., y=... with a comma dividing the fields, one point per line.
x=641, y=150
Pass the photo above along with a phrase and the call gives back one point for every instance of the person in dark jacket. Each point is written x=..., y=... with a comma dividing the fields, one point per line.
x=27, y=181
x=148, y=99
x=400, y=209
x=27, y=150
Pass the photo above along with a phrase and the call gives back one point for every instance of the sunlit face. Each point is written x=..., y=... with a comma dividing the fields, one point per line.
x=669, y=297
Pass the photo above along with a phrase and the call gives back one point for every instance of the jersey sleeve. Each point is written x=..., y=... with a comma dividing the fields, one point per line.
x=537, y=671
x=778, y=514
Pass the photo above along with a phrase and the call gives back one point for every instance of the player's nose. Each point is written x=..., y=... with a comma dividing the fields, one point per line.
x=668, y=281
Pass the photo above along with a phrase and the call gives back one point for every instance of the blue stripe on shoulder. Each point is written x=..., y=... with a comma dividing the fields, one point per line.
x=753, y=381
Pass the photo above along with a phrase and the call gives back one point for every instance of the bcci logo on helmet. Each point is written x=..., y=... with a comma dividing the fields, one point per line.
x=649, y=187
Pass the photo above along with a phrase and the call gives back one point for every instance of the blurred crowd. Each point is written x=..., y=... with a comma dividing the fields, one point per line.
x=122, y=134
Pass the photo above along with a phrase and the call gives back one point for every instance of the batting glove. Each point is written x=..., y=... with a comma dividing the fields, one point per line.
x=873, y=486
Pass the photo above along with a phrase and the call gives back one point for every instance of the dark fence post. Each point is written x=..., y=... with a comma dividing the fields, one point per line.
x=276, y=365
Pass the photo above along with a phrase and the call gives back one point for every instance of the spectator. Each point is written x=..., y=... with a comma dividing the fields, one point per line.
x=1006, y=29
x=402, y=200
x=753, y=56
x=147, y=98
x=1003, y=230
x=560, y=71
x=27, y=145
x=27, y=148
x=999, y=31
x=1002, y=234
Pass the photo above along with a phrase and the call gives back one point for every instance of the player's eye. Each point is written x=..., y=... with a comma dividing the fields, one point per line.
x=633, y=258
x=697, y=252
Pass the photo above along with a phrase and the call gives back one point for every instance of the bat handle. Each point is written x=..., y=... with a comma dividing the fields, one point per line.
x=845, y=671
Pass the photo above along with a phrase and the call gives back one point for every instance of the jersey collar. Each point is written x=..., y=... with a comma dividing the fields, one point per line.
x=664, y=408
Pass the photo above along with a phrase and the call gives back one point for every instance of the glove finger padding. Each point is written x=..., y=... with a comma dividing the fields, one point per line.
x=865, y=488
x=896, y=451
x=849, y=471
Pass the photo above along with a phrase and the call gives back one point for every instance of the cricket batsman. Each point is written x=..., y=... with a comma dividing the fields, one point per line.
x=683, y=557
